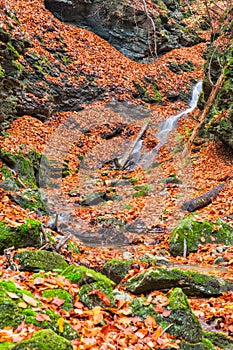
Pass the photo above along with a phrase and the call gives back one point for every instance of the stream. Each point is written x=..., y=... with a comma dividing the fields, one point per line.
x=114, y=234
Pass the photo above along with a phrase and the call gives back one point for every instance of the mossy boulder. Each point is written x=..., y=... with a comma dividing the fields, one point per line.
x=25, y=235
x=32, y=260
x=181, y=322
x=96, y=289
x=14, y=309
x=219, y=121
x=116, y=270
x=60, y=294
x=194, y=233
x=43, y=340
x=184, y=323
x=192, y=283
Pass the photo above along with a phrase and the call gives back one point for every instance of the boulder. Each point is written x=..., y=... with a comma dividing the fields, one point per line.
x=31, y=260
x=192, y=283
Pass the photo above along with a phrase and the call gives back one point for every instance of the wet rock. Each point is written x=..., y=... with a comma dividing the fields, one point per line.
x=192, y=283
x=31, y=260
x=189, y=234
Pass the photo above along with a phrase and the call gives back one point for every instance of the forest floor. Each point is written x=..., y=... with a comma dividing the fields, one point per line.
x=204, y=168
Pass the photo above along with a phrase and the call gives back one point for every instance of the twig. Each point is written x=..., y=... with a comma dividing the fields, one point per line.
x=185, y=248
x=62, y=242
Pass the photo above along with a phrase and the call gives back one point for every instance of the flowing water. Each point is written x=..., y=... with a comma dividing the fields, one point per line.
x=170, y=124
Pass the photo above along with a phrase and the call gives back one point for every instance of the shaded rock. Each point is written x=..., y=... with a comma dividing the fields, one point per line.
x=196, y=233
x=31, y=260
x=219, y=339
x=158, y=260
x=116, y=270
x=219, y=121
x=26, y=235
x=40, y=338
x=191, y=282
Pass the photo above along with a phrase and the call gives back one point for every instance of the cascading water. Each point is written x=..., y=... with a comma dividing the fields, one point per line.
x=168, y=125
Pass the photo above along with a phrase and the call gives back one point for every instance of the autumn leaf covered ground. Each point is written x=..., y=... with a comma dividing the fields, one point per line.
x=210, y=162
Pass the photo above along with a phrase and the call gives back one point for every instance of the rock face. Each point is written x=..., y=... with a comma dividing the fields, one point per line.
x=32, y=84
x=137, y=31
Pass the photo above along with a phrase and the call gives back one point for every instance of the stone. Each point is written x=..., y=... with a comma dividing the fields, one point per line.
x=192, y=283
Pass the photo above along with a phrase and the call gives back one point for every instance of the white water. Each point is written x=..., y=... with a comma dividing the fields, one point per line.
x=170, y=124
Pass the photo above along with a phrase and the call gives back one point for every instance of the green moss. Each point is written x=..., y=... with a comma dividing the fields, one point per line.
x=142, y=190
x=197, y=233
x=13, y=50
x=43, y=340
x=185, y=323
x=193, y=283
x=204, y=345
x=116, y=270
x=31, y=260
x=83, y=275
x=94, y=294
x=219, y=339
x=28, y=234
x=61, y=294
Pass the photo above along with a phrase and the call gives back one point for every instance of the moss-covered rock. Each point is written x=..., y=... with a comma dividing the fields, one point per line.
x=43, y=340
x=61, y=294
x=14, y=309
x=219, y=121
x=31, y=260
x=204, y=345
x=185, y=323
x=194, y=233
x=25, y=235
x=26, y=168
x=116, y=270
x=193, y=283
x=82, y=275
x=6, y=346
x=181, y=322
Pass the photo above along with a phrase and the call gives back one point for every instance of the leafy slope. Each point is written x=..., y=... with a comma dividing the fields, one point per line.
x=115, y=73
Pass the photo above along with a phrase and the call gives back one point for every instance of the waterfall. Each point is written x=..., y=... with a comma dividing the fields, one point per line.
x=170, y=124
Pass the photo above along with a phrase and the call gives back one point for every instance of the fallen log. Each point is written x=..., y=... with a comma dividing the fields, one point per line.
x=203, y=200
